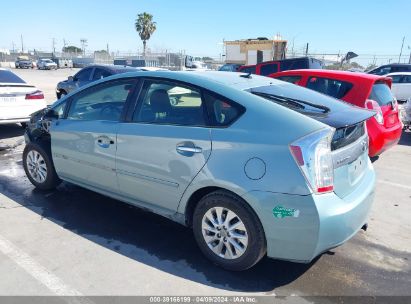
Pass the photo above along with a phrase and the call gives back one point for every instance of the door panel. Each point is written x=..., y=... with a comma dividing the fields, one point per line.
x=156, y=163
x=84, y=152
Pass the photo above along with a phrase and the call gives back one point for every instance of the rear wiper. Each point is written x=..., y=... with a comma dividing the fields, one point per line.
x=296, y=102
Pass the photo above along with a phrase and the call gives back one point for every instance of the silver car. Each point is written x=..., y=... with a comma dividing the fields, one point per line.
x=253, y=165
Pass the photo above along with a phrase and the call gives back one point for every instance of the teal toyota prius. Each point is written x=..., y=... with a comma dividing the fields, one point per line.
x=255, y=166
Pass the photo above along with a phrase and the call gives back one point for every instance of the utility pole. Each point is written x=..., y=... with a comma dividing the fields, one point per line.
x=22, y=45
x=14, y=47
x=409, y=60
x=83, y=45
x=402, y=45
x=306, y=50
x=53, y=43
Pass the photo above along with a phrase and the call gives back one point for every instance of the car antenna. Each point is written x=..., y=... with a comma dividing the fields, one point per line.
x=248, y=75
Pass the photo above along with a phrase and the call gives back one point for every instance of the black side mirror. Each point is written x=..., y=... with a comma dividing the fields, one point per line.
x=51, y=115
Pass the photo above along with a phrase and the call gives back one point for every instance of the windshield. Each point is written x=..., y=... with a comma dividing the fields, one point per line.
x=9, y=77
x=381, y=93
x=47, y=60
x=299, y=98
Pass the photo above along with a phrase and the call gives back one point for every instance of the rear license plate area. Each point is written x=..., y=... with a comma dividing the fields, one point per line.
x=356, y=169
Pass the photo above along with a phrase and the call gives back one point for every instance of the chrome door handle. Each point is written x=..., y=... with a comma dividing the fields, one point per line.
x=189, y=149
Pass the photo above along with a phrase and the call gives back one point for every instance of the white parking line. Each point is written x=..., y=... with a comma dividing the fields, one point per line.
x=394, y=184
x=37, y=271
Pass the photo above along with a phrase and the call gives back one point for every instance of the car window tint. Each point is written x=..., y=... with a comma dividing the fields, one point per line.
x=170, y=103
x=406, y=79
x=331, y=87
x=222, y=112
x=381, y=71
x=100, y=73
x=248, y=70
x=9, y=77
x=290, y=79
x=381, y=93
x=396, y=78
x=84, y=75
x=268, y=69
x=102, y=102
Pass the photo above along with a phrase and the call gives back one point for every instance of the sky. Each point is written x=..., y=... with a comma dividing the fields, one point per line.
x=364, y=26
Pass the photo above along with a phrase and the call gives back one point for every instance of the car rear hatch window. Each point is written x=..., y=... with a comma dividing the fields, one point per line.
x=9, y=77
x=381, y=93
x=331, y=87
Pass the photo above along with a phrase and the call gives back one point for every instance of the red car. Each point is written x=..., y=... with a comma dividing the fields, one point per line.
x=363, y=90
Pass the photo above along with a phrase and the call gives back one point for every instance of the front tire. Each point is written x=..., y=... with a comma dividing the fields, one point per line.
x=39, y=167
x=228, y=231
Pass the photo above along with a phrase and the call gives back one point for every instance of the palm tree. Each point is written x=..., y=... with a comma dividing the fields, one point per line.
x=145, y=26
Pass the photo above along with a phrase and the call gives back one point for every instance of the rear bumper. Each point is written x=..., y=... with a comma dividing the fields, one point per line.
x=319, y=223
x=382, y=138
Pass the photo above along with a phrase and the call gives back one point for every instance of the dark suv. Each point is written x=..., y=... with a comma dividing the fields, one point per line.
x=269, y=67
x=391, y=68
x=89, y=74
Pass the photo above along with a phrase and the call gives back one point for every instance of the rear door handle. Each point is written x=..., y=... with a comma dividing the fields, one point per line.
x=188, y=148
x=104, y=141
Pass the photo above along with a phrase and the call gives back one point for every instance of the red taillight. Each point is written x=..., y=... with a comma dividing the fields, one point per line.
x=35, y=95
x=325, y=189
x=373, y=105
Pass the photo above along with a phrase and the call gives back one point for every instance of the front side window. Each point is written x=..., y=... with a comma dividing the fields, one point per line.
x=102, y=102
x=332, y=87
x=83, y=75
x=59, y=109
x=164, y=102
x=100, y=73
x=381, y=71
x=268, y=69
x=290, y=79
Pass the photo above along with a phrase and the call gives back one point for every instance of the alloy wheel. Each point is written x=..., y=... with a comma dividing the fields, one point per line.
x=36, y=166
x=224, y=233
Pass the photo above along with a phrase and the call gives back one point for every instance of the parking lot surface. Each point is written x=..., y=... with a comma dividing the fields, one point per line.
x=72, y=241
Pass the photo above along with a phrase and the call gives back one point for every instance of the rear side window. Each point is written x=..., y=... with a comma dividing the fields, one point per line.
x=172, y=103
x=268, y=69
x=381, y=93
x=381, y=71
x=396, y=78
x=9, y=77
x=249, y=70
x=332, y=87
x=290, y=79
x=222, y=112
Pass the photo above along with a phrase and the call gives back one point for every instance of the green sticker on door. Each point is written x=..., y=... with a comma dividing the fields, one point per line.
x=282, y=212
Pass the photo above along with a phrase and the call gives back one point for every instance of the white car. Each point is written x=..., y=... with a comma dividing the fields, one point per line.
x=46, y=64
x=401, y=88
x=18, y=99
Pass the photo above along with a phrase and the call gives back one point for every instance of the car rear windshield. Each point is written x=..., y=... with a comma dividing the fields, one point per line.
x=332, y=87
x=9, y=77
x=381, y=93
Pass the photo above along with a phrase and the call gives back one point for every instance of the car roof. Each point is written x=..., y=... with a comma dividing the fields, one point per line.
x=111, y=67
x=398, y=73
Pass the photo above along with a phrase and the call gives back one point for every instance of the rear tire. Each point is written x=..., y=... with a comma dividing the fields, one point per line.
x=39, y=167
x=228, y=231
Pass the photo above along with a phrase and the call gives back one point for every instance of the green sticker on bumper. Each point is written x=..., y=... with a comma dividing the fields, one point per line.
x=282, y=212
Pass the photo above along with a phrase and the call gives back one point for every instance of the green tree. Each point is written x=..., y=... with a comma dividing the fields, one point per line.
x=145, y=27
x=72, y=49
